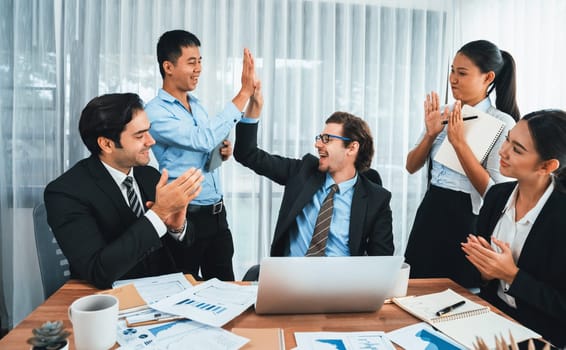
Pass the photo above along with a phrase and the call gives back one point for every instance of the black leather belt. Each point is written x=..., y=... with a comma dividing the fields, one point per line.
x=211, y=209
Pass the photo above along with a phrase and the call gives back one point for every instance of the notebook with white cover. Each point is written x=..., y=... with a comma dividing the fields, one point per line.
x=466, y=322
x=480, y=134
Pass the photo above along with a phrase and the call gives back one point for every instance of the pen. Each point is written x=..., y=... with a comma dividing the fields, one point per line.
x=449, y=308
x=444, y=122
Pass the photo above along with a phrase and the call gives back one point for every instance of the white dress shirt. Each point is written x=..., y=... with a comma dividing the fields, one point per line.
x=155, y=220
x=516, y=232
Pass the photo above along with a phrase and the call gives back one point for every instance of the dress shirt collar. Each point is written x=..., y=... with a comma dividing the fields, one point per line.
x=483, y=105
x=117, y=175
x=343, y=187
x=532, y=214
x=165, y=96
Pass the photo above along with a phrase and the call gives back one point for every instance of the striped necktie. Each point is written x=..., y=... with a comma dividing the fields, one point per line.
x=133, y=199
x=320, y=235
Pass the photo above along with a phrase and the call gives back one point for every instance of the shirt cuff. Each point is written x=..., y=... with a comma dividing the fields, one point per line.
x=246, y=120
x=155, y=220
x=232, y=113
x=178, y=236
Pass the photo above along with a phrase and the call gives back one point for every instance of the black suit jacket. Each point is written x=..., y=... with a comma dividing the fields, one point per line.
x=98, y=232
x=370, y=220
x=540, y=286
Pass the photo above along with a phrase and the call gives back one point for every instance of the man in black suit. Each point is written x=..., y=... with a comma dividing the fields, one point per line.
x=98, y=209
x=361, y=215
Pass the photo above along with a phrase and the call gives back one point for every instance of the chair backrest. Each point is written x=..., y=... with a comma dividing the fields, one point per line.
x=53, y=265
x=373, y=176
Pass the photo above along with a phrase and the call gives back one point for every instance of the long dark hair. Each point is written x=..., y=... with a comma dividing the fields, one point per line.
x=548, y=130
x=487, y=57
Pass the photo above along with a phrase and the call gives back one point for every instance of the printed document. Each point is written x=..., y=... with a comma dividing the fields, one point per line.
x=213, y=302
x=177, y=335
x=342, y=340
x=421, y=336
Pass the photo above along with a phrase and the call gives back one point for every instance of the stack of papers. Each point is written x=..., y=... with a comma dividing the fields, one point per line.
x=148, y=305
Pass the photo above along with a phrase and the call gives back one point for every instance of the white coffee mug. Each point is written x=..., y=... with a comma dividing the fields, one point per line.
x=400, y=287
x=95, y=321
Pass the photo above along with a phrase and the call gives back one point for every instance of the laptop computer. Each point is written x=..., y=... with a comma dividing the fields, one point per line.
x=300, y=285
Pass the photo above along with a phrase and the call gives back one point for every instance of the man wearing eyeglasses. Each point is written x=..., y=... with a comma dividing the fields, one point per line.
x=359, y=215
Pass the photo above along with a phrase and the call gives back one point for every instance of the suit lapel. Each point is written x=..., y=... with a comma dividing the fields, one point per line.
x=357, y=216
x=147, y=187
x=303, y=196
x=542, y=225
x=108, y=186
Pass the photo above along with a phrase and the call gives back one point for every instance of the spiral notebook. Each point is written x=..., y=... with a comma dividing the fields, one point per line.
x=480, y=133
x=466, y=322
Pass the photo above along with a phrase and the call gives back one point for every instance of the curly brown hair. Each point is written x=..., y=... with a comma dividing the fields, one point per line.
x=356, y=129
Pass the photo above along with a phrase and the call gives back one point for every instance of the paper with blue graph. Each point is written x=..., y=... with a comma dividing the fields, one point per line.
x=421, y=336
x=343, y=341
x=213, y=302
x=177, y=335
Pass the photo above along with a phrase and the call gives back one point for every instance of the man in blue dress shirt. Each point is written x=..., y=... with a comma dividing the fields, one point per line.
x=186, y=137
x=360, y=223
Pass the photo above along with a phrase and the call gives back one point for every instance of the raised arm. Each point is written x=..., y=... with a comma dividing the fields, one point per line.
x=433, y=121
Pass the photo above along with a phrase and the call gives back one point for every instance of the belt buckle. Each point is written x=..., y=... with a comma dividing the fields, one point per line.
x=217, y=208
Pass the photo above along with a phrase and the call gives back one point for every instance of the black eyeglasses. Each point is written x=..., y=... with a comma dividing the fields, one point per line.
x=325, y=138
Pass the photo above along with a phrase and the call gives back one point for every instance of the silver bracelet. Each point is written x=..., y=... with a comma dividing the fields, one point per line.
x=178, y=230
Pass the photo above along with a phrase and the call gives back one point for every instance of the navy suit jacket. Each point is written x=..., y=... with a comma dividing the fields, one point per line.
x=540, y=286
x=370, y=220
x=98, y=232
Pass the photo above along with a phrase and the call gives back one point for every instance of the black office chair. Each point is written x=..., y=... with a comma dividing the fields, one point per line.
x=373, y=176
x=53, y=265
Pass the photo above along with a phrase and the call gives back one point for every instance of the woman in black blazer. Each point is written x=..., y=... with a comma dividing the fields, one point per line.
x=524, y=265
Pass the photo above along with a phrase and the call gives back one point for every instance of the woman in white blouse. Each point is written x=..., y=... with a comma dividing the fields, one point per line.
x=524, y=267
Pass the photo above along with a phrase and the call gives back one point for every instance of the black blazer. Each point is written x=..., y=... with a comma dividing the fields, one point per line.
x=370, y=220
x=540, y=286
x=98, y=232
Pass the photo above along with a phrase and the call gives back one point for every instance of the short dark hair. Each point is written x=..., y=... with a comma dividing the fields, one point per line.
x=356, y=129
x=170, y=46
x=488, y=57
x=548, y=130
x=107, y=116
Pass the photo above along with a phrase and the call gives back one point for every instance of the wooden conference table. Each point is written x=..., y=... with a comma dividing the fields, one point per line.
x=390, y=316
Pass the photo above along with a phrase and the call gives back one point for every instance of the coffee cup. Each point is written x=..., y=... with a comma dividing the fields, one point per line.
x=95, y=321
x=400, y=286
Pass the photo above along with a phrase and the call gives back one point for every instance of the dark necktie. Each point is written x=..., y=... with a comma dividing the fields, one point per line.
x=133, y=198
x=320, y=235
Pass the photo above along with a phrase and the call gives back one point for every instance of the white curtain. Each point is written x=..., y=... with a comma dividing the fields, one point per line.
x=534, y=32
x=375, y=59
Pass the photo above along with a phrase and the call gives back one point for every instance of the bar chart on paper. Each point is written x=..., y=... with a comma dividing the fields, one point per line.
x=215, y=309
x=343, y=341
x=213, y=302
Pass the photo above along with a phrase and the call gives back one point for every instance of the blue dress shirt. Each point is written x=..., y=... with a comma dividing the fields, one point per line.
x=184, y=139
x=339, y=234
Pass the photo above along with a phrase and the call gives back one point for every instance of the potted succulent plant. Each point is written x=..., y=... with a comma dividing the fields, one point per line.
x=50, y=336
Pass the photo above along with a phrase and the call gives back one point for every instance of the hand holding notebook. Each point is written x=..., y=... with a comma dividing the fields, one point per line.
x=480, y=134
